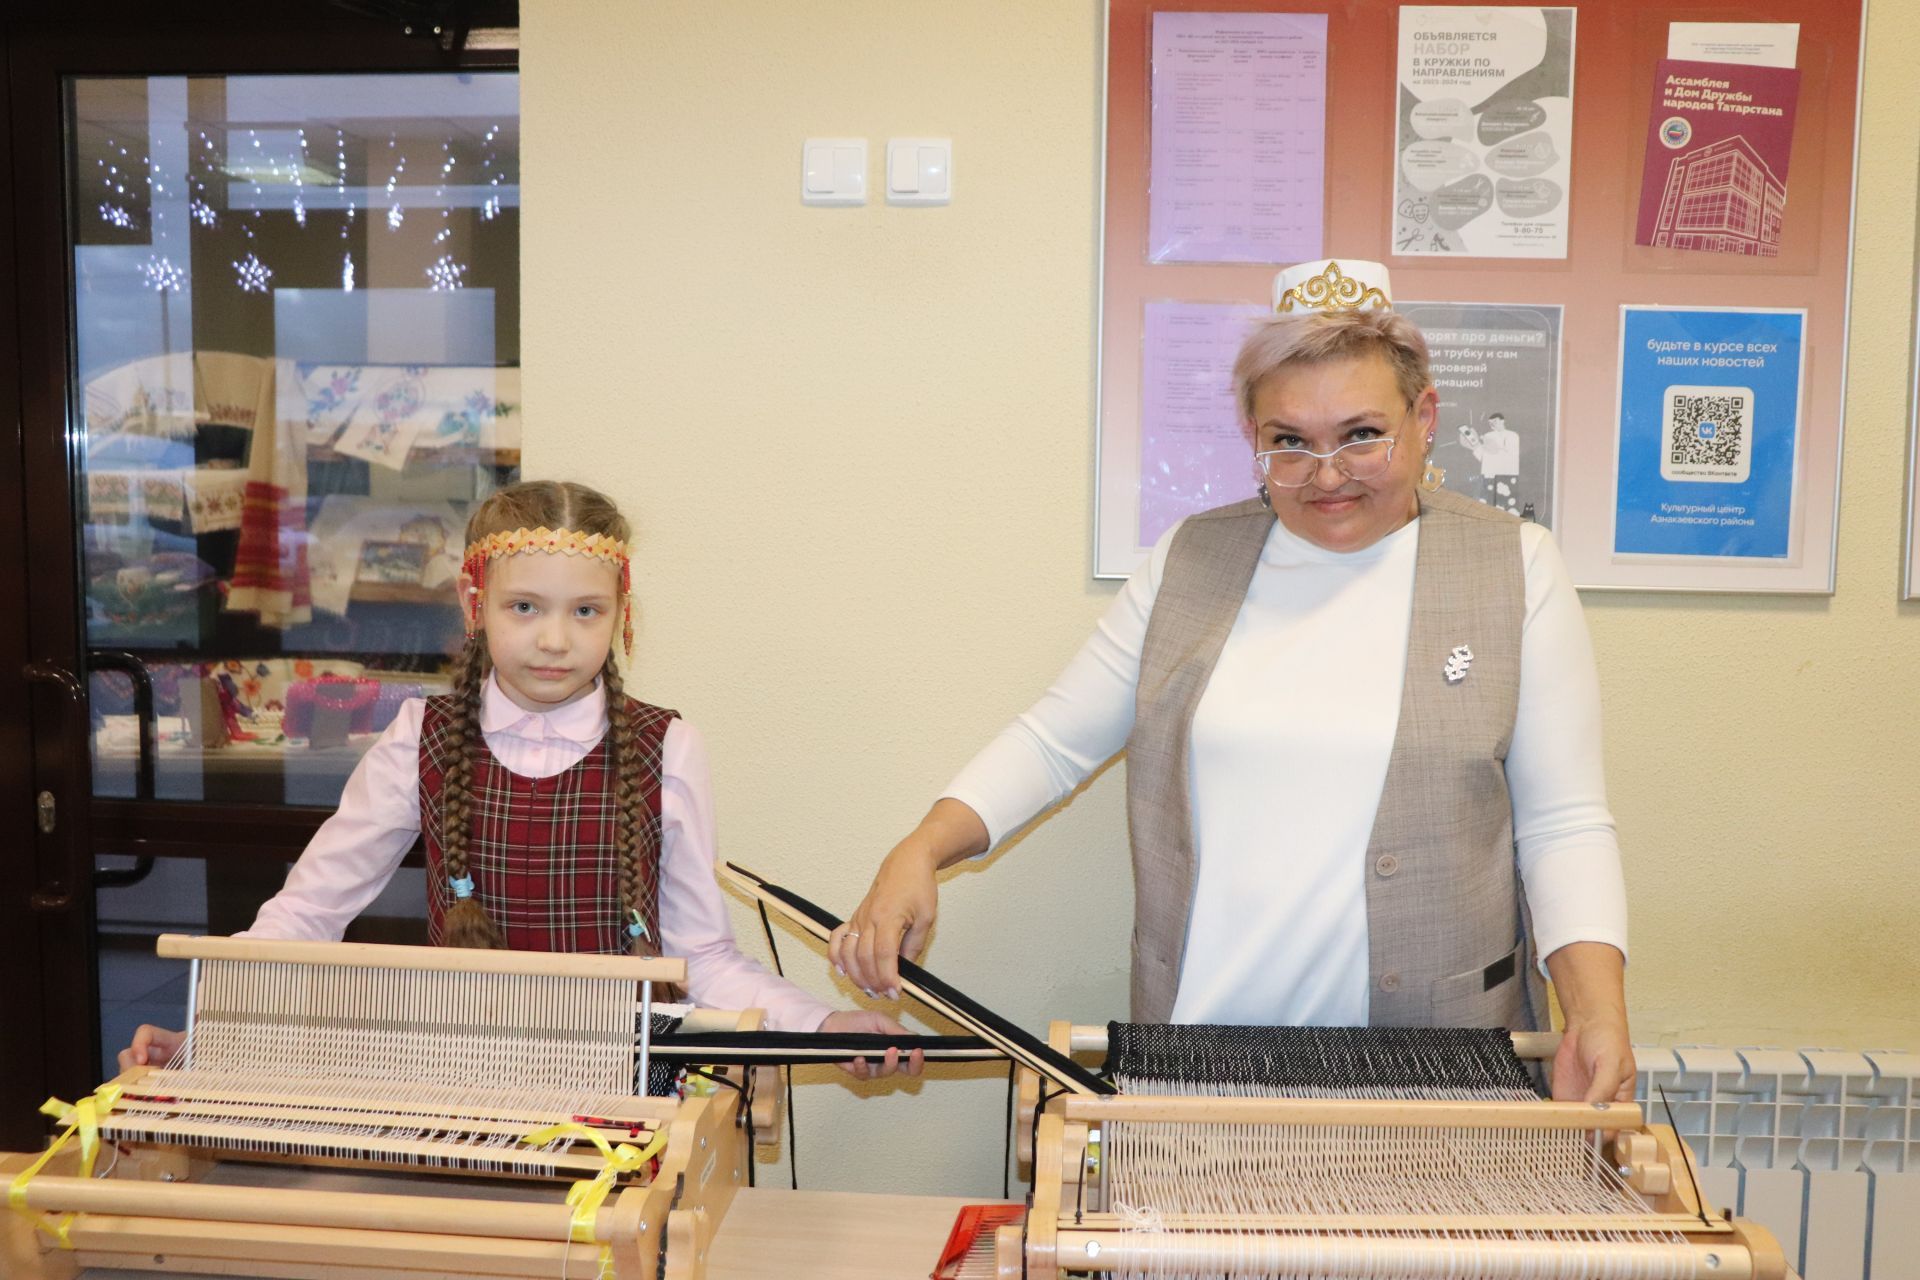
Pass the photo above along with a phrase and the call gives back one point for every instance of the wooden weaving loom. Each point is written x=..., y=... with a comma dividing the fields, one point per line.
x=436, y=1066
x=1331, y=1153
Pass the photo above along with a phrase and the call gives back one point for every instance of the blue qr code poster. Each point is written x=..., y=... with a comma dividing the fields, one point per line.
x=1709, y=427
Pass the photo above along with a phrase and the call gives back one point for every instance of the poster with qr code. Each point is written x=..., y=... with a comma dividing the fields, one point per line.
x=1709, y=431
x=1708, y=435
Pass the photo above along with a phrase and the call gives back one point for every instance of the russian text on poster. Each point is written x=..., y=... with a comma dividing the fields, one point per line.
x=1709, y=431
x=1483, y=157
x=1497, y=368
x=1239, y=137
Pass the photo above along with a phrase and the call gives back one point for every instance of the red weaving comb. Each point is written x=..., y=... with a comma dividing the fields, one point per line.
x=969, y=1251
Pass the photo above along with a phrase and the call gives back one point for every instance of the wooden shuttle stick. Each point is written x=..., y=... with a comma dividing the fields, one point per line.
x=179, y=946
x=1028, y=1050
x=1378, y=1255
x=1369, y=1113
x=442, y=1215
x=753, y=1048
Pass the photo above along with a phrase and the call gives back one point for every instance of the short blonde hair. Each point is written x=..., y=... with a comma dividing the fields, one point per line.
x=1316, y=337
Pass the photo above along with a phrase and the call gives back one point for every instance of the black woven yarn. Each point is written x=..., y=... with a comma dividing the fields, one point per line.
x=1315, y=1059
x=662, y=1077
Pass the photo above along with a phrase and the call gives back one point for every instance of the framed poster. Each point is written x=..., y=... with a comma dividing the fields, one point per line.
x=1710, y=430
x=1624, y=160
x=1910, y=580
x=1497, y=369
x=1485, y=124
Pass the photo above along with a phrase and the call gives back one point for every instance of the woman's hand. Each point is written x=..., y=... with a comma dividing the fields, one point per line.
x=894, y=918
x=891, y=921
x=868, y=1021
x=152, y=1047
x=1594, y=1062
x=1595, y=1059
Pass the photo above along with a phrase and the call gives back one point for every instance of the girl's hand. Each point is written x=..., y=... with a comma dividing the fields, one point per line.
x=152, y=1047
x=866, y=1020
x=891, y=921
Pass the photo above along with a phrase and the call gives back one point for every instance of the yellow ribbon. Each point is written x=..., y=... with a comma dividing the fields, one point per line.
x=586, y=1196
x=83, y=1118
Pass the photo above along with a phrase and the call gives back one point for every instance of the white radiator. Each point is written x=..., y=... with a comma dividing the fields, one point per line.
x=1820, y=1146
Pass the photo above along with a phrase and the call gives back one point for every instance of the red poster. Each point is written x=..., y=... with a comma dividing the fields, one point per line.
x=1718, y=141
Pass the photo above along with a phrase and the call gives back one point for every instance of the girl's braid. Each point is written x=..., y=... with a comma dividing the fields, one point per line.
x=629, y=807
x=466, y=923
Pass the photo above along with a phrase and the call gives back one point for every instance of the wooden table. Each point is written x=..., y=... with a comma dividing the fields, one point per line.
x=831, y=1235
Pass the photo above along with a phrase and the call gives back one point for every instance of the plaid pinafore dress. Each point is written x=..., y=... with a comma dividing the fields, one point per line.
x=544, y=852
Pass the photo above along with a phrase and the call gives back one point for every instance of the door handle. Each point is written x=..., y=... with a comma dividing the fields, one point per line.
x=143, y=778
x=60, y=893
x=136, y=672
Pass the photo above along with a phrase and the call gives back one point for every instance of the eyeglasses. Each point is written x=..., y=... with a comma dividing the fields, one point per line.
x=1357, y=459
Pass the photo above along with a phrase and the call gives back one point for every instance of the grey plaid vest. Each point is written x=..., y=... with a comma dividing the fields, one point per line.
x=1449, y=940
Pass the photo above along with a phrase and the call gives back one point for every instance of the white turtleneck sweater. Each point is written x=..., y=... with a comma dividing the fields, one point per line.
x=1289, y=754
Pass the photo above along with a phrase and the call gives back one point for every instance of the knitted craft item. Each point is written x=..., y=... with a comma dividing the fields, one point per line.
x=545, y=541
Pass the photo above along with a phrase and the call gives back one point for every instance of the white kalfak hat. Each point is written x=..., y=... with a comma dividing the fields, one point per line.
x=1332, y=284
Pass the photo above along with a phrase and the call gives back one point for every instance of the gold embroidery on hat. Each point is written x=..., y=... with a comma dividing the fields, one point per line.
x=1332, y=290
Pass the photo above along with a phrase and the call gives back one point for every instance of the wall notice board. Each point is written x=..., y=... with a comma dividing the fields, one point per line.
x=1910, y=581
x=1599, y=465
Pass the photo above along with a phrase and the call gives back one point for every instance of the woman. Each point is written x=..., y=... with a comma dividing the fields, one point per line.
x=1362, y=722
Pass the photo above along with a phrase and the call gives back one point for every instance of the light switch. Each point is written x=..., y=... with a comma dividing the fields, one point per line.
x=850, y=168
x=903, y=168
x=833, y=171
x=933, y=170
x=819, y=170
x=919, y=170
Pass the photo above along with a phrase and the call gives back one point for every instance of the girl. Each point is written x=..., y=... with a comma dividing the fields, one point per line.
x=559, y=814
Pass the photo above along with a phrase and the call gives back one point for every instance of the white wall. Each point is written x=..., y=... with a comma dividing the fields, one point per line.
x=857, y=445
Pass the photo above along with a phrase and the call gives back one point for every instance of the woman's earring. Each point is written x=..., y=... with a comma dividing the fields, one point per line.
x=1265, y=501
x=1433, y=477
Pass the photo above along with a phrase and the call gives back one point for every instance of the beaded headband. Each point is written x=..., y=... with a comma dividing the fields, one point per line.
x=558, y=542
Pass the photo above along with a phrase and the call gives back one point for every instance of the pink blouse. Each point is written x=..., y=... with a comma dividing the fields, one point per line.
x=357, y=850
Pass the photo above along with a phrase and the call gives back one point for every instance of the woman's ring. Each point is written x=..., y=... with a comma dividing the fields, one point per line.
x=853, y=933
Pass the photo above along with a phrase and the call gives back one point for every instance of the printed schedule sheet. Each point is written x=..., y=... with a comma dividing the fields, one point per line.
x=1239, y=137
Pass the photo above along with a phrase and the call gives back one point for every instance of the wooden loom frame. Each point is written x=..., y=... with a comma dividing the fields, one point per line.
x=1060, y=1235
x=1057, y=1238
x=154, y=1210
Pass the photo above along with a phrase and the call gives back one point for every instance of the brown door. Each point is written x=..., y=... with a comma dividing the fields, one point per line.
x=262, y=352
